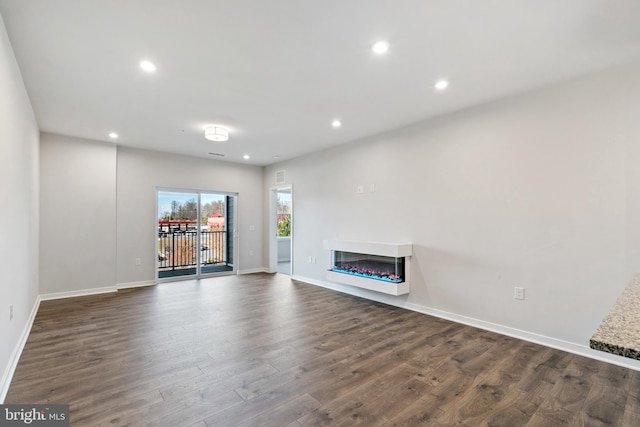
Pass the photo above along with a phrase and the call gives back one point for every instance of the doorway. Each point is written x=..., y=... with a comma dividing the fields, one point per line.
x=281, y=227
x=195, y=234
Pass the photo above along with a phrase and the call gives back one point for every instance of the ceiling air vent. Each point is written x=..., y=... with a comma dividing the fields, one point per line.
x=280, y=178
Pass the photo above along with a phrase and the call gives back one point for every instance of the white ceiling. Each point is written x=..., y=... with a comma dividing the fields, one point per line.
x=278, y=72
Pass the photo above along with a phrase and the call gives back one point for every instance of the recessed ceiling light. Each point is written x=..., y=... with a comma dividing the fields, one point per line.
x=380, y=47
x=441, y=85
x=336, y=123
x=148, y=66
x=246, y=157
x=113, y=135
x=216, y=133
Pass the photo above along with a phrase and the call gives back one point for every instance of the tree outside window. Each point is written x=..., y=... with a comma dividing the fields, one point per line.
x=283, y=205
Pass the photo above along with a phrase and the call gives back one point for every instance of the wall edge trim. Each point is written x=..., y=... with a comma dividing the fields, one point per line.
x=253, y=270
x=131, y=285
x=80, y=293
x=10, y=370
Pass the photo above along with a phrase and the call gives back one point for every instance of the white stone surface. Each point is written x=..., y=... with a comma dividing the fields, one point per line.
x=619, y=332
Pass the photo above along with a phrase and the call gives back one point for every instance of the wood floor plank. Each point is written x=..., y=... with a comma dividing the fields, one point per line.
x=302, y=375
x=284, y=414
x=370, y=401
x=604, y=406
x=446, y=384
x=482, y=398
x=196, y=408
x=248, y=409
x=262, y=349
x=101, y=410
x=544, y=370
x=631, y=415
x=607, y=399
x=516, y=409
x=226, y=380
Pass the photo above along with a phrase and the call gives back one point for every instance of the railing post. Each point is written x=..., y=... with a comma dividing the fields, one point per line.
x=173, y=250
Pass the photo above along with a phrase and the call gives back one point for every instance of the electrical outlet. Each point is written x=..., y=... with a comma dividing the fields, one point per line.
x=310, y=260
x=518, y=293
x=360, y=189
x=11, y=312
x=138, y=261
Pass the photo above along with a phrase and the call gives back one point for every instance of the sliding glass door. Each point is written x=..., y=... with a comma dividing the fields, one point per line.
x=195, y=233
x=216, y=233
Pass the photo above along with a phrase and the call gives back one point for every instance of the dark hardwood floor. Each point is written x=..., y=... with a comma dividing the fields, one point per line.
x=264, y=350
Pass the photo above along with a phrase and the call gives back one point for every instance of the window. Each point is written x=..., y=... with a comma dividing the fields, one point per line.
x=283, y=206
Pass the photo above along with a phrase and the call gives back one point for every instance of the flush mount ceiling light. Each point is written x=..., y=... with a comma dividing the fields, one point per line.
x=380, y=47
x=148, y=66
x=113, y=135
x=216, y=133
x=441, y=85
x=246, y=157
x=336, y=123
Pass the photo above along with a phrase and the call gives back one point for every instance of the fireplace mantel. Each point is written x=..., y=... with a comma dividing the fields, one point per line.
x=391, y=250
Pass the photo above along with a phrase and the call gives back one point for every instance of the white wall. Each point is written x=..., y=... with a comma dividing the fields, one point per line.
x=140, y=173
x=538, y=191
x=19, y=213
x=98, y=210
x=77, y=214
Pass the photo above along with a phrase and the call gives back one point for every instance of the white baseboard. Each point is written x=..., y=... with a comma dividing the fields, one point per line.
x=17, y=352
x=253, y=270
x=134, y=285
x=81, y=293
x=94, y=291
x=558, y=344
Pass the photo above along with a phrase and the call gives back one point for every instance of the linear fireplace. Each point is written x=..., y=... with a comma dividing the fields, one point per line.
x=385, y=268
x=381, y=267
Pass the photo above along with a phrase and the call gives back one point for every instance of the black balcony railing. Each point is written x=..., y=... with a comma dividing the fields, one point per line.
x=180, y=249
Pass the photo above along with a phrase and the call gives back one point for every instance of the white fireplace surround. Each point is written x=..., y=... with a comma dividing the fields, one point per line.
x=396, y=250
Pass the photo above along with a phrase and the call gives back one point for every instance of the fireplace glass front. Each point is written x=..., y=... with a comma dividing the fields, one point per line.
x=385, y=268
